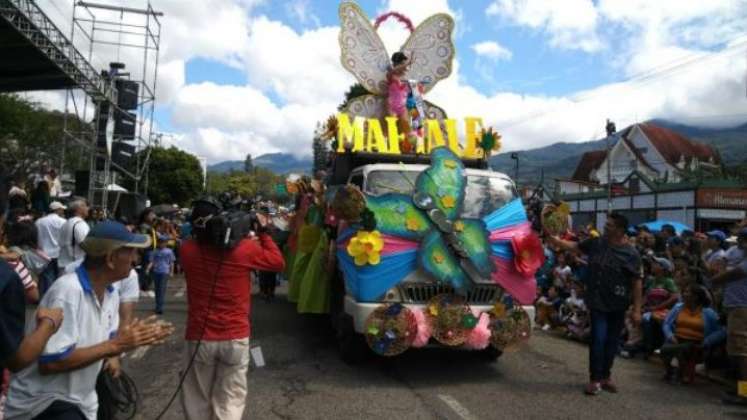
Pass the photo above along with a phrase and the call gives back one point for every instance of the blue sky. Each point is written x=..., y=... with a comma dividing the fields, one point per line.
x=255, y=76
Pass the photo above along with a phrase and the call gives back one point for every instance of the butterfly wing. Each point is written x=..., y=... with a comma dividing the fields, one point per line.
x=434, y=112
x=362, y=52
x=473, y=237
x=444, y=181
x=368, y=106
x=397, y=216
x=431, y=50
x=436, y=259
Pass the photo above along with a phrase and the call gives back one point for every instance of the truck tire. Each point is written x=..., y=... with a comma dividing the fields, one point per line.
x=351, y=345
x=491, y=354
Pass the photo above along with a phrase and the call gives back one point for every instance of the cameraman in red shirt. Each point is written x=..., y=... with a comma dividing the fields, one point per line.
x=218, y=281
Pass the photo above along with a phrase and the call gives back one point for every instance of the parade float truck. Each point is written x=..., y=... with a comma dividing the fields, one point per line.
x=430, y=246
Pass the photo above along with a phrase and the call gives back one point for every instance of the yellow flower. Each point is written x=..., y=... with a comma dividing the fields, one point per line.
x=365, y=247
x=450, y=164
x=448, y=201
x=412, y=223
x=459, y=226
x=564, y=208
x=433, y=309
x=438, y=258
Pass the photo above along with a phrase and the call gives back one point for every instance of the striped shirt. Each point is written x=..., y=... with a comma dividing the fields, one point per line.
x=20, y=268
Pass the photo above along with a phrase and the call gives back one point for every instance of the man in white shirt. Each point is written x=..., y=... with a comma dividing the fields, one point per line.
x=73, y=233
x=63, y=382
x=50, y=230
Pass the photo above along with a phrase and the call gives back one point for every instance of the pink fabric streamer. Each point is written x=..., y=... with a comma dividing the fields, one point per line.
x=523, y=289
x=392, y=245
x=479, y=337
x=506, y=233
x=424, y=329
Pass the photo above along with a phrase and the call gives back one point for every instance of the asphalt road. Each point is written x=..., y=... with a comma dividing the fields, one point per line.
x=305, y=379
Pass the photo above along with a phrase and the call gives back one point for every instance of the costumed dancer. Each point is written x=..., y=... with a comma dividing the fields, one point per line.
x=398, y=91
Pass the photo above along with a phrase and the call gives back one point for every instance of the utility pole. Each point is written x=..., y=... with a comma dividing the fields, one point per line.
x=515, y=156
x=610, y=127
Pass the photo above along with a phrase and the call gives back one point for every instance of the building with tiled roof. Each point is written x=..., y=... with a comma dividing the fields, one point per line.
x=654, y=174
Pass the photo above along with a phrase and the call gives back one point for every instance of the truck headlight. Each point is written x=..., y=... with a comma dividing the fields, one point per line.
x=392, y=295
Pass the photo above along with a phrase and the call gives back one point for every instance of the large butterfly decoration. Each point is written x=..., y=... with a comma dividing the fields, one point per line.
x=425, y=231
x=429, y=47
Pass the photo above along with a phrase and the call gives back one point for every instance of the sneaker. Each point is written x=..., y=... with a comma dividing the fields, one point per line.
x=593, y=388
x=609, y=386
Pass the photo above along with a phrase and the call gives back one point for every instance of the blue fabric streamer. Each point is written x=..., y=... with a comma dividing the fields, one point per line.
x=502, y=249
x=511, y=214
x=370, y=282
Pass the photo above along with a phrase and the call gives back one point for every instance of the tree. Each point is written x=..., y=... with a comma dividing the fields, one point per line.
x=248, y=165
x=32, y=137
x=174, y=177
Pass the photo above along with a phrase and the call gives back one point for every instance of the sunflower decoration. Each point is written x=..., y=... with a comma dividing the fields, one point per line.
x=390, y=329
x=365, y=247
x=450, y=318
x=349, y=203
x=490, y=141
x=330, y=128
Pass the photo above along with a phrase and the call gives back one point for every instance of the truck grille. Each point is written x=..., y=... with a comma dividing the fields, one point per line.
x=421, y=293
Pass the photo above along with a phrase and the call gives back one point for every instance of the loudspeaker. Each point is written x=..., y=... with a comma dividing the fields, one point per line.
x=122, y=153
x=124, y=125
x=82, y=182
x=127, y=92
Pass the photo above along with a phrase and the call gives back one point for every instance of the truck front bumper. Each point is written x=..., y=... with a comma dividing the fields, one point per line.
x=360, y=311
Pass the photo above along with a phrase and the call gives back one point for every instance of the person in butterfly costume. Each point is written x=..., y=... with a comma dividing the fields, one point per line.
x=396, y=87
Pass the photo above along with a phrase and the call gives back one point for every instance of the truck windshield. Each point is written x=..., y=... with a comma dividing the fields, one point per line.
x=484, y=194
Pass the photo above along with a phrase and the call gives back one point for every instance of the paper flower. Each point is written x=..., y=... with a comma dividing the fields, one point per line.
x=438, y=258
x=433, y=309
x=365, y=247
x=448, y=201
x=528, y=253
x=469, y=321
x=459, y=226
x=423, y=334
x=479, y=337
x=499, y=310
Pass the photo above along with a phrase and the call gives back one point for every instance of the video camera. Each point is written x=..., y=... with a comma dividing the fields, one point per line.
x=223, y=224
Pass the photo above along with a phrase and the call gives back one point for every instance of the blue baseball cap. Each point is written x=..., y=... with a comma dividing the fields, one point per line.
x=716, y=234
x=108, y=236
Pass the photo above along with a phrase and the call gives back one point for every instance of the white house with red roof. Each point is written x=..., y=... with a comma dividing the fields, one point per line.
x=658, y=153
x=654, y=173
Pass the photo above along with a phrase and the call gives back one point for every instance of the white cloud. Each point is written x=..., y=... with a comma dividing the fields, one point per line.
x=571, y=24
x=295, y=78
x=301, y=10
x=492, y=50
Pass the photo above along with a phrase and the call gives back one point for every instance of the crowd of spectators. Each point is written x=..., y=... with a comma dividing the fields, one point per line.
x=689, y=297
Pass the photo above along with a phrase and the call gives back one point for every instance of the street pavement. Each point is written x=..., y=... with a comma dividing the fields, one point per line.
x=304, y=378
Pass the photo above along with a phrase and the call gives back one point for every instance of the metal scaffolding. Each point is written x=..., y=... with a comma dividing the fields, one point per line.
x=96, y=27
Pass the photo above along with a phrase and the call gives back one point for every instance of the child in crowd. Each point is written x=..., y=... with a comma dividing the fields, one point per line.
x=690, y=328
x=560, y=275
x=546, y=306
x=574, y=314
x=161, y=267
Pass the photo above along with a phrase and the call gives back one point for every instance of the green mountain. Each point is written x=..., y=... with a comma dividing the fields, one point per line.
x=280, y=163
x=559, y=160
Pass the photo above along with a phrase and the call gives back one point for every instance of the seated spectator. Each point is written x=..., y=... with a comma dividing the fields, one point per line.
x=660, y=295
x=691, y=327
x=547, y=308
x=574, y=314
x=62, y=385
